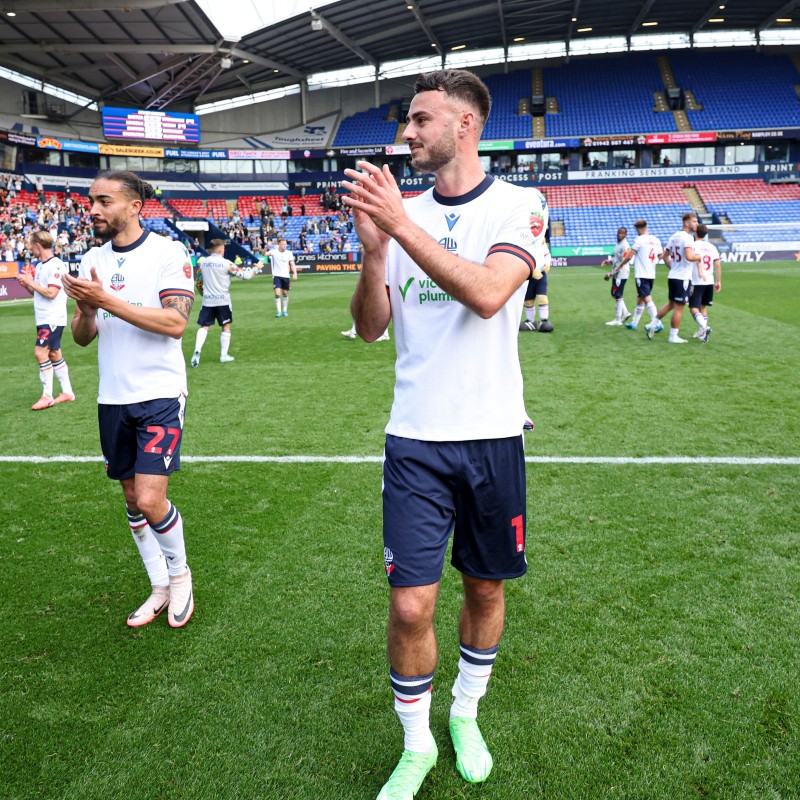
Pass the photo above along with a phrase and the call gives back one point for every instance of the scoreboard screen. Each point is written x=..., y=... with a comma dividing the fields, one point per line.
x=160, y=126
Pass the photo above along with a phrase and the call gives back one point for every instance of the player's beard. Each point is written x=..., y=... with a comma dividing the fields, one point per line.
x=433, y=157
x=109, y=228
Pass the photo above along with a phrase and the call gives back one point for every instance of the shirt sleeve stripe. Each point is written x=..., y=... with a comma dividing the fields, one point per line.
x=174, y=293
x=514, y=250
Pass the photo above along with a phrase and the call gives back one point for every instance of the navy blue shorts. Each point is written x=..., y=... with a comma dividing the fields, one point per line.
x=679, y=290
x=702, y=295
x=644, y=287
x=617, y=290
x=49, y=336
x=282, y=283
x=474, y=490
x=211, y=314
x=536, y=286
x=142, y=438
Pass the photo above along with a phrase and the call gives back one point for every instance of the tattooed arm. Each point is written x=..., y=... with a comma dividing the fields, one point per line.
x=169, y=320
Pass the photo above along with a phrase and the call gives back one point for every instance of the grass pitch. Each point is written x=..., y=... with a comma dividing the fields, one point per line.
x=650, y=652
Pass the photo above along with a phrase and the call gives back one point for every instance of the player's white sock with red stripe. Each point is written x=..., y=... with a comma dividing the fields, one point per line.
x=637, y=314
x=152, y=557
x=474, y=671
x=200, y=339
x=544, y=312
x=652, y=311
x=46, y=377
x=62, y=373
x=412, y=704
x=224, y=343
x=169, y=535
x=530, y=313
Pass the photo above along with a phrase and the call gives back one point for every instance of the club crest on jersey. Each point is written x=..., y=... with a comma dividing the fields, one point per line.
x=536, y=222
x=451, y=219
x=117, y=281
x=388, y=560
x=451, y=245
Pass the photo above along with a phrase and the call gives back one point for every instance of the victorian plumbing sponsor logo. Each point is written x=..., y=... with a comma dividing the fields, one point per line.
x=426, y=291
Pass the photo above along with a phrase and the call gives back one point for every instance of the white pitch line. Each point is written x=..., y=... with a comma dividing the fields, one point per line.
x=609, y=460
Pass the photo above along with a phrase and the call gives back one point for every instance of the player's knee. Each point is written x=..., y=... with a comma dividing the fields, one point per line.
x=55, y=355
x=482, y=593
x=410, y=610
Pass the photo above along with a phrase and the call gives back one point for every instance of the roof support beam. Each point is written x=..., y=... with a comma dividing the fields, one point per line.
x=342, y=38
x=575, y=8
x=503, y=35
x=640, y=17
x=20, y=6
x=713, y=10
x=769, y=21
x=423, y=23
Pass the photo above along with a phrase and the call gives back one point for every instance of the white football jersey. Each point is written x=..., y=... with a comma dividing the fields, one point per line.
x=680, y=268
x=703, y=270
x=619, y=253
x=280, y=262
x=647, y=249
x=216, y=280
x=136, y=365
x=50, y=312
x=458, y=376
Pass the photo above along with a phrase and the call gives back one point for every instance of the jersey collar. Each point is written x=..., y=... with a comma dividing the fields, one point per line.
x=129, y=247
x=464, y=198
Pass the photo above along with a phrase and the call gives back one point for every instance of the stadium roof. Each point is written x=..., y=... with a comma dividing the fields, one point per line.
x=168, y=53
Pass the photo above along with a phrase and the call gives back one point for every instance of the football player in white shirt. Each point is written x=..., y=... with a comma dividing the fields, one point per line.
x=215, y=278
x=449, y=268
x=50, y=315
x=619, y=276
x=645, y=253
x=706, y=279
x=680, y=258
x=282, y=261
x=134, y=296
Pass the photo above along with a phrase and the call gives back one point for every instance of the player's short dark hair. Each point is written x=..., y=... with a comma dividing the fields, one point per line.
x=215, y=244
x=688, y=215
x=622, y=228
x=702, y=230
x=132, y=184
x=458, y=83
x=640, y=223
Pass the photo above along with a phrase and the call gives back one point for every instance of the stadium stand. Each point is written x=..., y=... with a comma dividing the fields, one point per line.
x=738, y=90
x=367, y=127
x=591, y=214
x=507, y=91
x=153, y=209
x=614, y=97
x=188, y=207
x=753, y=201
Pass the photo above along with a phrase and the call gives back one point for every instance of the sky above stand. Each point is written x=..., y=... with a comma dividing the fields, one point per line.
x=236, y=18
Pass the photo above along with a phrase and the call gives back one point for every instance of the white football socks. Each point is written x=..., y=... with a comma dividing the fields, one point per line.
x=169, y=535
x=62, y=373
x=46, y=377
x=474, y=671
x=224, y=343
x=200, y=339
x=412, y=704
x=150, y=552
